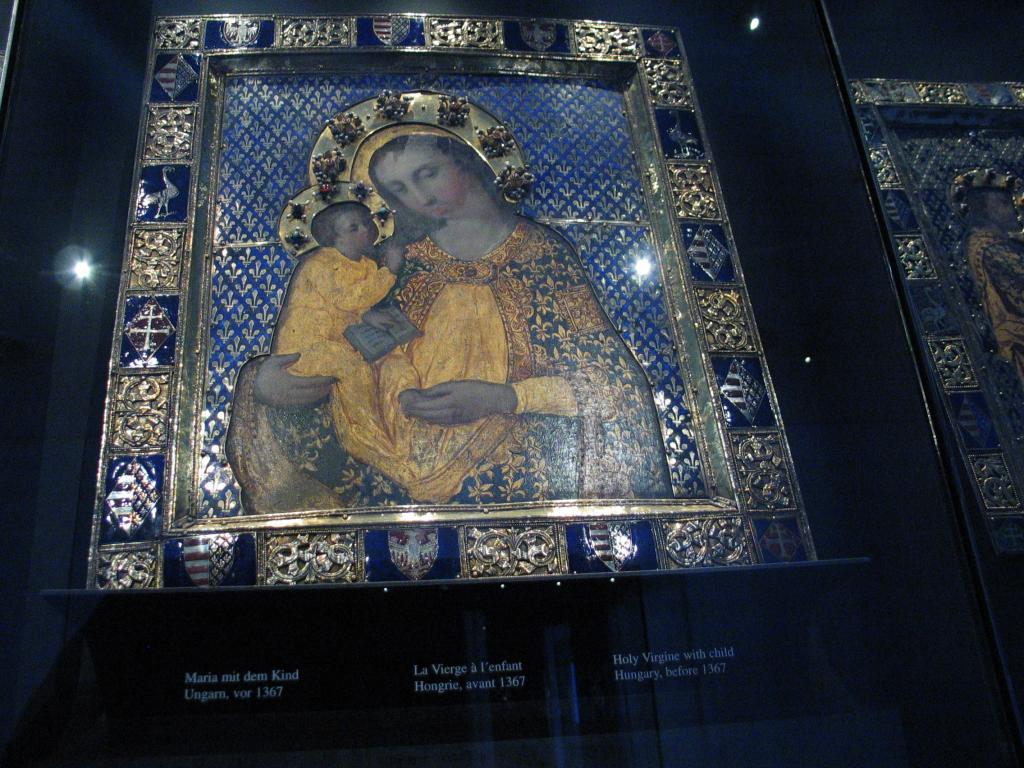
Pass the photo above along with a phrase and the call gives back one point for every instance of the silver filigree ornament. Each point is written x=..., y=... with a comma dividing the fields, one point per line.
x=392, y=105
x=133, y=569
x=514, y=182
x=694, y=191
x=669, y=82
x=155, y=258
x=140, y=412
x=346, y=128
x=452, y=110
x=597, y=39
x=465, y=33
x=994, y=482
x=706, y=542
x=360, y=190
x=311, y=558
x=763, y=473
x=914, y=259
x=169, y=132
x=496, y=141
x=511, y=551
x=185, y=34
x=297, y=238
x=314, y=33
x=327, y=168
x=725, y=320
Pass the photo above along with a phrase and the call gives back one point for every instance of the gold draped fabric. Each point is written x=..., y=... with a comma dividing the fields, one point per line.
x=525, y=315
x=473, y=327
x=997, y=264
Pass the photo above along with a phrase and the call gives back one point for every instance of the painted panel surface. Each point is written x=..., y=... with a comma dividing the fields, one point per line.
x=329, y=371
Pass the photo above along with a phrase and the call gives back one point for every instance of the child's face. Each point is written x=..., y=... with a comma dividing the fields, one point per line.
x=352, y=233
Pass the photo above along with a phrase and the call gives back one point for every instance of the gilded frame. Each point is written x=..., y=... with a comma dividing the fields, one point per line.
x=961, y=362
x=753, y=512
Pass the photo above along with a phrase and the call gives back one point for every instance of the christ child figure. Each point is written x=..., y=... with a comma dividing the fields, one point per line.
x=334, y=288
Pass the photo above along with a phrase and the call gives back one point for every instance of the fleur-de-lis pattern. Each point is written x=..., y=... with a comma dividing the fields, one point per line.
x=636, y=306
x=246, y=293
x=270, y=125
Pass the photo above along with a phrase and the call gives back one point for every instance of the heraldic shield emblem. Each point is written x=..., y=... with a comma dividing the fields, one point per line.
x=208, y=559
x=611, y=543
x=392, y=30
x=539, y=35
x=239, y=32
x=133, y=499
x=413, y=550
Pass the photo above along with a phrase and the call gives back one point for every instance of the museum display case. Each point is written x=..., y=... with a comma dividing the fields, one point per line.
x=570, y=386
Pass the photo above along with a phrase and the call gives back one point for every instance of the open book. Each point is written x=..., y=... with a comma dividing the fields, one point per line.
x=373, y=343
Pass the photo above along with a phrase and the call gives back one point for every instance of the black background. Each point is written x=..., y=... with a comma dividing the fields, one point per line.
x=817, y=273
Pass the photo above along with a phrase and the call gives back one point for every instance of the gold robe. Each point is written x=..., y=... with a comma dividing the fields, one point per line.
x=525, y=315
x=997, y=264
x=463, y=337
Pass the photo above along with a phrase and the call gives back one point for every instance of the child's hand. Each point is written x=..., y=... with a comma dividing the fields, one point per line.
x=378, y=319
x=393, y=256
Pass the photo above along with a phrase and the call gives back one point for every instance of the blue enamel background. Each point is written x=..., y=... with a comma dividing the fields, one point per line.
x=577, y=141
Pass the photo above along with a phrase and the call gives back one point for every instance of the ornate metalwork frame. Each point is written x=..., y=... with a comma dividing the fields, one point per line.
x=753, y=512
x=956, y=359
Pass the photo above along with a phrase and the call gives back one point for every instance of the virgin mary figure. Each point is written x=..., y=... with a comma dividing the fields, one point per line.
x=516, y=389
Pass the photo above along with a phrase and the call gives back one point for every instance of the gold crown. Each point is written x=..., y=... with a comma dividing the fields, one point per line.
x=984, y=178
x=338, y=168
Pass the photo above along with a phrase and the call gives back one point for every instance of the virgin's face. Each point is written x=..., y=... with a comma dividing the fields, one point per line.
x=429, y=182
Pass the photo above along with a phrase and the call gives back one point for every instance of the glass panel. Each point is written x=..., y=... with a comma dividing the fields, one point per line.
x=874, y=653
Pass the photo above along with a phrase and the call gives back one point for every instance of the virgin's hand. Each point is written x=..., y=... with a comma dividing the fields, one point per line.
x=275, y=386
x=458, y=402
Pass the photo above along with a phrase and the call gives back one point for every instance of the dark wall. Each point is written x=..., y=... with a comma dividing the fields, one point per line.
x=932, y=40
x=979, y=42
x=819, y=283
